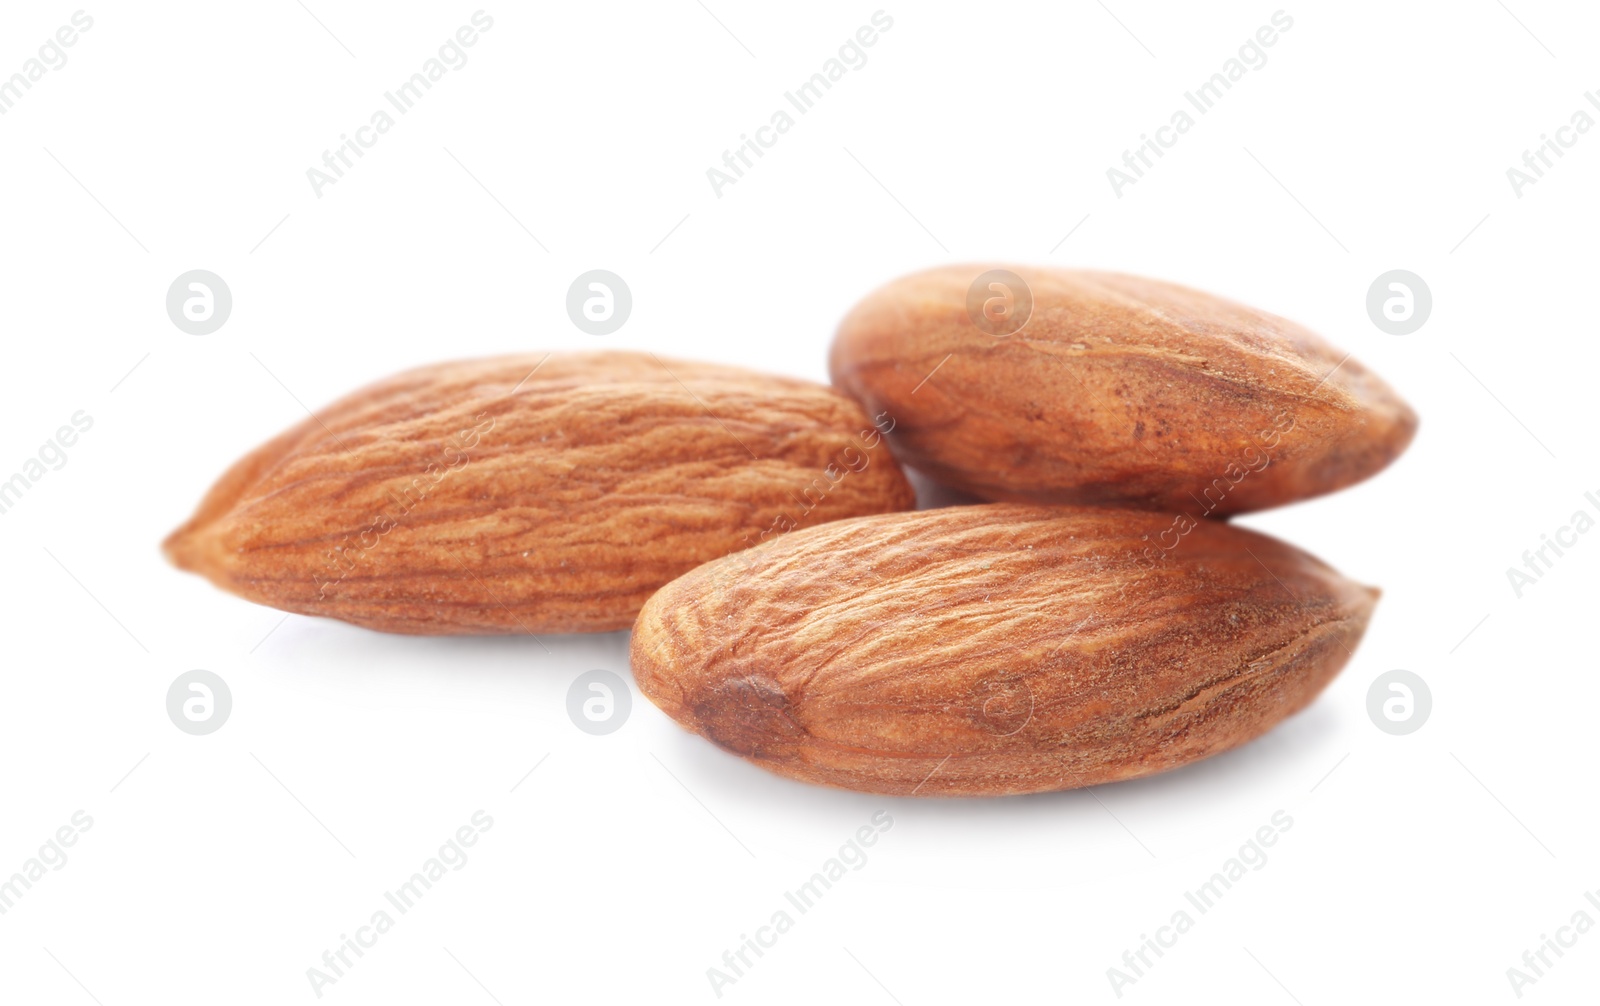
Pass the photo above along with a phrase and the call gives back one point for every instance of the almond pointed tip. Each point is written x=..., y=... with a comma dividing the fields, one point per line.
x=179, y=549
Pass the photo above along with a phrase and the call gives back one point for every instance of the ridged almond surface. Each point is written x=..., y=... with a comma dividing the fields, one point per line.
x=513, y=495
x=1117, y=391
x=995, y=649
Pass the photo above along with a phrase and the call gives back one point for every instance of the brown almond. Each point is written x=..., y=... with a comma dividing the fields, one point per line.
x=1114, y=390
x=995, y=649
x=524, y=495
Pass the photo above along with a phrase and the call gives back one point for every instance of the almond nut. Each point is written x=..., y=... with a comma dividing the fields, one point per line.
x=1114, y=390
x=514, y=495
x=995, y=649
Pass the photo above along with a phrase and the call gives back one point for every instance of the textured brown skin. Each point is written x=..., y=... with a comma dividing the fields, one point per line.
x=556, y=506
x=995, y=649
x=1119, y=391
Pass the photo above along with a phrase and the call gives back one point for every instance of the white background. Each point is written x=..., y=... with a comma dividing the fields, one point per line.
x=220, y=868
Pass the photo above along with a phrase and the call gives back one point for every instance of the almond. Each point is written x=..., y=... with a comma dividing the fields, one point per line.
x=995, y=649
x=524, y=495
x=1115, y=390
